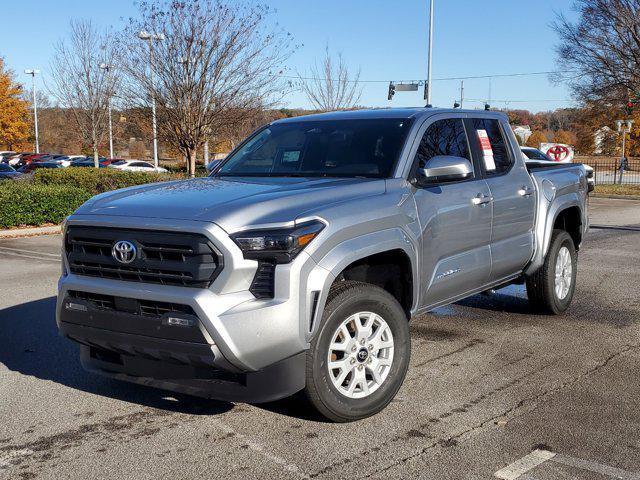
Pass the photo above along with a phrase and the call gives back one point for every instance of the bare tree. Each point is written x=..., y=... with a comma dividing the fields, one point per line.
x=219, y=62
x=601, y=50
x=80, y=85
x=330, y=86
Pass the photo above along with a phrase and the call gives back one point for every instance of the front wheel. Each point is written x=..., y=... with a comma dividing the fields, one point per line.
x=359, y=357
x=550, y=289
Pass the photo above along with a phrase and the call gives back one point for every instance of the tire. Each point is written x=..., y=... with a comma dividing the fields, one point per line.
x=377, y=308
x=541, y=286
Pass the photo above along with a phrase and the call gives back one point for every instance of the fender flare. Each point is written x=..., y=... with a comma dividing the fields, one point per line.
x=345, y=253
x=544, y=230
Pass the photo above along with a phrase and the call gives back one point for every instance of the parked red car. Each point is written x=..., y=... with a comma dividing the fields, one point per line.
x=27, y=159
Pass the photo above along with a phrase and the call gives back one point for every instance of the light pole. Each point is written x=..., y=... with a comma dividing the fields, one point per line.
x=430, y=52
x=624, y=127
x=105, y=67
x=150, y=37
x=33, y=74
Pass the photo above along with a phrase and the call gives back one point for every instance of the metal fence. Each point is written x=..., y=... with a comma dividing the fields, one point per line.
x=611, y=173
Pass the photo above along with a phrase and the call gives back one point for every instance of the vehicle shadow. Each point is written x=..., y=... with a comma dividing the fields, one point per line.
x=30, y=345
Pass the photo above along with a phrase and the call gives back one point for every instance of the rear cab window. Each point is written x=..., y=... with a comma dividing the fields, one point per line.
x=490, y=146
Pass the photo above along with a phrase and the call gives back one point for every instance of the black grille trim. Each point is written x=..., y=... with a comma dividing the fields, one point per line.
x=263, y=284
x=147, y=308
x=166, y=258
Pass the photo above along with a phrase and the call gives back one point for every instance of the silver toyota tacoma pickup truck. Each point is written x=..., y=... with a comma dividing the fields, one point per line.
x=298, y=263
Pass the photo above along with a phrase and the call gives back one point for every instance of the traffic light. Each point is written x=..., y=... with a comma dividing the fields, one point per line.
x=392, y=91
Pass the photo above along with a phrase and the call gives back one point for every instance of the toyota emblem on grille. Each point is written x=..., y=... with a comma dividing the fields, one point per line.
x=124, y=251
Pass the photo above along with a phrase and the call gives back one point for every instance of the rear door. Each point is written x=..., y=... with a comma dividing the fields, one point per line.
x=455, y=218
x=513, y=195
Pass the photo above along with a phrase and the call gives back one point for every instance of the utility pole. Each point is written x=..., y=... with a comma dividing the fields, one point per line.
x=461, y=93
x=430, y=52
x=105, y=67
x=33, y=74
x=150, y=37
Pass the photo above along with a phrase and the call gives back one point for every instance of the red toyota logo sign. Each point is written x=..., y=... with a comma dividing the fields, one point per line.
x=558, y=152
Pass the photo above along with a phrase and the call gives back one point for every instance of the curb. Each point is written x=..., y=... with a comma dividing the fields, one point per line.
x=30, y=232
x=616, y=197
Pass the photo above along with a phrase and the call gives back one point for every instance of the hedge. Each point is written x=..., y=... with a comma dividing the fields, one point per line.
x=98, y=180
x=24, y=203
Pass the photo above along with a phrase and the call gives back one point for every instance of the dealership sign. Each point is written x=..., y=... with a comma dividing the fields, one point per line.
x=558, y=152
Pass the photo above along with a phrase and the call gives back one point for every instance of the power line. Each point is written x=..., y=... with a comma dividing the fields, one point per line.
x=441, y=79
x=520, y=101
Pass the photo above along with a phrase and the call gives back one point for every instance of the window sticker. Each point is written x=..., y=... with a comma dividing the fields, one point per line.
x=487, y=151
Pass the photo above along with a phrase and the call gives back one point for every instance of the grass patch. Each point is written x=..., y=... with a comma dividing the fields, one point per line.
x=630, y=190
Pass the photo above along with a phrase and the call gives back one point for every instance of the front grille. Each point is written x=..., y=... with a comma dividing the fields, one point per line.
x=167, y=258
x=145, y=308
x=130, y=316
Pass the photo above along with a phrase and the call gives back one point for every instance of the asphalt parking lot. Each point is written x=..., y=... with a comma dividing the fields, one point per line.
x=489, y=384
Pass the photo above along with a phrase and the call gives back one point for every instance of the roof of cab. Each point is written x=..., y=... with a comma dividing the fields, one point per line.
x=379, y=113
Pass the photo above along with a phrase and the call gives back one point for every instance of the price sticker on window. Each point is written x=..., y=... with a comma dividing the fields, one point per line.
x=487, y=151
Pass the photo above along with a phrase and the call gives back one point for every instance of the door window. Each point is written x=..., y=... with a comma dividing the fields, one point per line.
x=491, y=145
x=443, y=137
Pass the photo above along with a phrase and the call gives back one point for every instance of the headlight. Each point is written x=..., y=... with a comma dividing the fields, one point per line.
x=281, y=246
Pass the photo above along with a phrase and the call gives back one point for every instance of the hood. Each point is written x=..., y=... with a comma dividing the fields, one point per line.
x=232, y=203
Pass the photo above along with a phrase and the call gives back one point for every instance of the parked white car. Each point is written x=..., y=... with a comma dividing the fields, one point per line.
x=135, y=166
x=534, y=155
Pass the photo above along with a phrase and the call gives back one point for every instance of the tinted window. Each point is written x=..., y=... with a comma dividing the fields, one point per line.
x=5, y=168
x=443, y=137
x=119, y=162
x=535, y=154
x=341, y=148
x=494, y=152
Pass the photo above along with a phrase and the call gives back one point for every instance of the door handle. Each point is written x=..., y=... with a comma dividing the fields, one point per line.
x=481, y=199
x=525, y=191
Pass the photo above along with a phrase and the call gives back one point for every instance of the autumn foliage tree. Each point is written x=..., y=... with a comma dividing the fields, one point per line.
x=536, y=139
x=14, y=110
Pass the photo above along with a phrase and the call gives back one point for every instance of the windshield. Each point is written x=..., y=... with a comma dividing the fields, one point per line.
x=533, y=154
x=340, y=148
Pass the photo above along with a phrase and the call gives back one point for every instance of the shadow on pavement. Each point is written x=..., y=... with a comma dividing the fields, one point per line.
x=30, y=345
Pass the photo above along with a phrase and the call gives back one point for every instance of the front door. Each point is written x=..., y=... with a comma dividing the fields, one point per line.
x=455, y=219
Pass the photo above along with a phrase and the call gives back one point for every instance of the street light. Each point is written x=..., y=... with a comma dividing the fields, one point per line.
x=624, y=127
x=428, y=84
x=150, y=37
x=33, y=74
x=105, y=67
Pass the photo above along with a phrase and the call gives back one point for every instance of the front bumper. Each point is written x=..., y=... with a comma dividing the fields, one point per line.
x=181, y=366
x=250, y=350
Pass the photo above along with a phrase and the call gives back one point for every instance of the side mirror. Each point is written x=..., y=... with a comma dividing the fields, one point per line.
x=444, y=168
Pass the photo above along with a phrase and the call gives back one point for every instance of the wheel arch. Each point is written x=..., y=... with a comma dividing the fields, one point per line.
x=354, y=256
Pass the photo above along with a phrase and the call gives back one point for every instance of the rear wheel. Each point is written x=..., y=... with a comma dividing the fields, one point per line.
x=359, y=357
x=550, y=289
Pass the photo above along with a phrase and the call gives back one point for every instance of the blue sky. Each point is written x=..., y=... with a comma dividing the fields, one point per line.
x=386, y=39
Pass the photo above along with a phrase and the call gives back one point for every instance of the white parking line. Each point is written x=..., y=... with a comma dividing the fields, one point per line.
x=262, y=450
x=31, y=256
x=523, y=465
x=519, y=469
x=594, y=467
x=7, y=459
x=22, y=250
